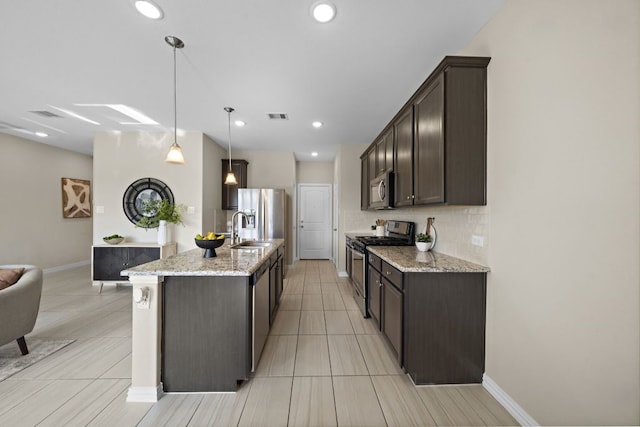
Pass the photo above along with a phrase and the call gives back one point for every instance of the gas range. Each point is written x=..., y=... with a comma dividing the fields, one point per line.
x=397, y=233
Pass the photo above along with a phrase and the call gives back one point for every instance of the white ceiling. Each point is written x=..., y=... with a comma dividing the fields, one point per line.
x=258, y=56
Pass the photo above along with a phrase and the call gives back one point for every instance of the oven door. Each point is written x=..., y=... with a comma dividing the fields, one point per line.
x=358, y=275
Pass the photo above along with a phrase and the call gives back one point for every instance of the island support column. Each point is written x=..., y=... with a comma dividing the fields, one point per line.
x=146, y=336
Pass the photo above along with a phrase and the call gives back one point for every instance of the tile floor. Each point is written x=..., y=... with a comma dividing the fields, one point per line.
x=323, y=365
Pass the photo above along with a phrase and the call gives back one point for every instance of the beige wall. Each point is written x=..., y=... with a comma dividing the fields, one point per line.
x=32, y=229
x=563, y=150
x=314, y=172
x=122, y=158
x=213, y=217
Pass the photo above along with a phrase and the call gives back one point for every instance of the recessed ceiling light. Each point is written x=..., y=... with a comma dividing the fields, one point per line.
x=148, y=9
x=317, y=124
x=41, y=134
x=75, y=115
x=323, y=12
x=239, y=123
x=141, y=119
x=314, y=154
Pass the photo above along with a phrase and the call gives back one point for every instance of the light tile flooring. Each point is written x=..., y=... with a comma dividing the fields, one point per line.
x=323, y=365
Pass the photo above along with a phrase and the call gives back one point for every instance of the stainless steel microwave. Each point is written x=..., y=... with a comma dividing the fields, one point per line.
x=381, y=191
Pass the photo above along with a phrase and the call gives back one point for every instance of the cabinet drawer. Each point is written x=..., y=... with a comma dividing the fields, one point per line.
x=375, y=261
x=392, y=274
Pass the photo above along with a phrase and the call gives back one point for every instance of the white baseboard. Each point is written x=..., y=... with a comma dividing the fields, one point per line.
x=342, y=274
x=509, y=404
x=66, y=266
x=144, y=394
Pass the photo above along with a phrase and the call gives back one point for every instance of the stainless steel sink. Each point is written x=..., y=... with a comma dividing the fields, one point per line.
x=250, y=244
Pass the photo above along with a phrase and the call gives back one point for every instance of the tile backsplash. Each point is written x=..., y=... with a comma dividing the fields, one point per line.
x=455, y=227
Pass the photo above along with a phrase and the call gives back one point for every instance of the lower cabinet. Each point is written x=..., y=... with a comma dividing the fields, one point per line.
x=444, y=327
x=433, y=322
x=392, y=316
x=207, y=332
x=107, y=261
x=374, y=282
x=276, y=281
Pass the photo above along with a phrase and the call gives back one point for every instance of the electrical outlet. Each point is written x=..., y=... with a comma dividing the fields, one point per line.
x=99, y=209
x=477, y=240
x=191, y=210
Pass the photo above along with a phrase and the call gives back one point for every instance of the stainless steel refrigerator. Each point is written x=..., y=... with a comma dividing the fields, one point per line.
x=265, y=211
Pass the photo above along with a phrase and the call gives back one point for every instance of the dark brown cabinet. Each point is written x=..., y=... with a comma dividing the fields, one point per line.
x=403, y=130
x=428, y=152
x=392, y=300
x=374, y=282
x=230, y=192
x=384, y=152
x=444, y=334
x=364, y=182
x=450, y=142
x=386, y=301
x=276, y=277
x=107, y=261
x=440, y=138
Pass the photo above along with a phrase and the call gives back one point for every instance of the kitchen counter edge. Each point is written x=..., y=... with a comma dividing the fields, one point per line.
x=409, y=259
x=228, y=262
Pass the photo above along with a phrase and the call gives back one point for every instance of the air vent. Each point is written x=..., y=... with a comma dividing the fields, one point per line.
x=278, y=116
x=45, y=113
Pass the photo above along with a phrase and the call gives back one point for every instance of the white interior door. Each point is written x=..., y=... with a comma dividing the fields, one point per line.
x=314, y=221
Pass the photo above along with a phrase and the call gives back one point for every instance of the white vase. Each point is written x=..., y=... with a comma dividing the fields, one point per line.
x=423, y=246
x=380, y=230
x=162, y=232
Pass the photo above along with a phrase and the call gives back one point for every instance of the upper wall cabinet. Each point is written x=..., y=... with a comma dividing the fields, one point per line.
x=440, y=137
x=230, y=192
x=403, y=130
x=450, y=141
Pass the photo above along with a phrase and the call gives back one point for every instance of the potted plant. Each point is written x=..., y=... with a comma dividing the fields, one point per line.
x=157, y=213
x=423, y=242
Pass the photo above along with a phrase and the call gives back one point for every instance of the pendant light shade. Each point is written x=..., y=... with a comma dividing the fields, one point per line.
x=175, y=152
x=231, y=177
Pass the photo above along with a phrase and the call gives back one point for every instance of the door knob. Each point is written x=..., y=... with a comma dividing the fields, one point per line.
x=302, y=226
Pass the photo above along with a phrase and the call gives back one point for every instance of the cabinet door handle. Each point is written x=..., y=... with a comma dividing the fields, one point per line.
x=408, y=197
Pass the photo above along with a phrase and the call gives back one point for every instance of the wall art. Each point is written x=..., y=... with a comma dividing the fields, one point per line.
x=76, y=198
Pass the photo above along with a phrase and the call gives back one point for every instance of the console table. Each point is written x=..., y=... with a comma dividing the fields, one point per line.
x=107, y=261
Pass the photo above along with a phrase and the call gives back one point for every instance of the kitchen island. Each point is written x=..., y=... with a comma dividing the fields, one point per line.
x=199, y=324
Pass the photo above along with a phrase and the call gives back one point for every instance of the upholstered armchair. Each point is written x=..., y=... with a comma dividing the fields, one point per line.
x=19, y=305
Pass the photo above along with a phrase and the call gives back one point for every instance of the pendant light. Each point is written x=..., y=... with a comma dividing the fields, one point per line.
x=175, y=152
x=231, y=178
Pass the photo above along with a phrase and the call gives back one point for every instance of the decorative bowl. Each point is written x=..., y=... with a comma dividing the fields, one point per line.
x=209, y=246
x=113, y=240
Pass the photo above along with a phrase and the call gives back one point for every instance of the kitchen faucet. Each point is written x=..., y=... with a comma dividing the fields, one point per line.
x=234, y=231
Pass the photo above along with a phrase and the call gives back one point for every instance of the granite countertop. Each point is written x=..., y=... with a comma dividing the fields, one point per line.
x=228, y=262
x=409, y=259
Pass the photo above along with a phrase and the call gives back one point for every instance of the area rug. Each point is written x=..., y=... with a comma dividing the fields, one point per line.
x=12, y=361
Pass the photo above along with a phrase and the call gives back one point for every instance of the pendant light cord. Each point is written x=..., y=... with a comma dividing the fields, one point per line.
x=229, y=110
x=175, y=99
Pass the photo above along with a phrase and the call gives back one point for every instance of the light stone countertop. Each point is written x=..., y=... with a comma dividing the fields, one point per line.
x=228, y=262
x=409, y=259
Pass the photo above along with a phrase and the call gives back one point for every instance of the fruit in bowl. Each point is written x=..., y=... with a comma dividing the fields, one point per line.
x=209, y=242
x=114, y=239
